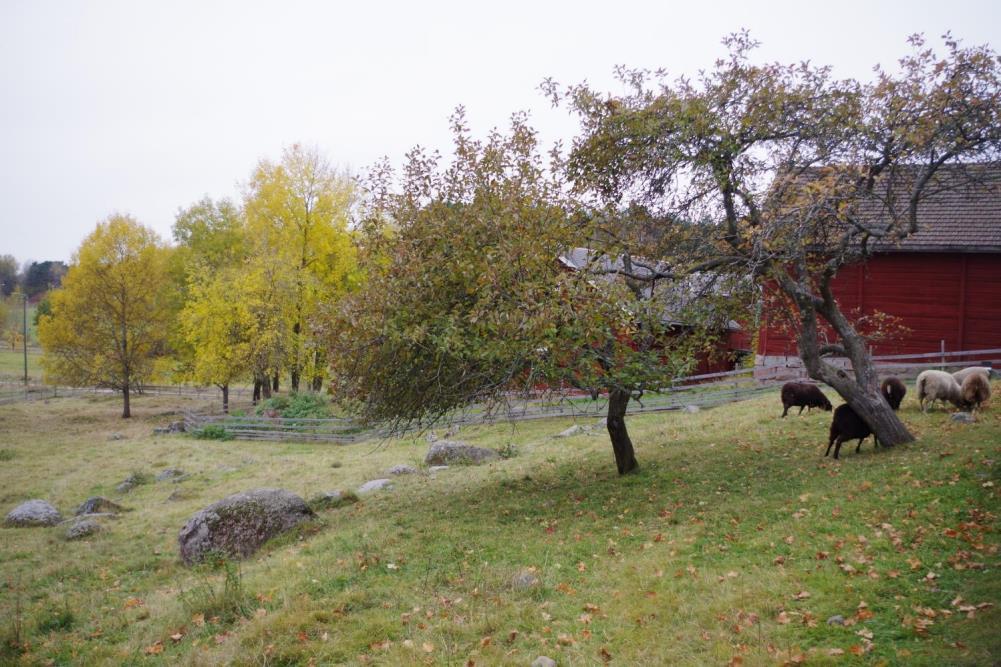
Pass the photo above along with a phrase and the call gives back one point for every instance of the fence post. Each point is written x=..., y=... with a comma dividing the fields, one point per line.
x=942, y=344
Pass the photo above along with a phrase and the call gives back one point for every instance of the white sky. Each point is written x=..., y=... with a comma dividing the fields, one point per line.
x=144, y=107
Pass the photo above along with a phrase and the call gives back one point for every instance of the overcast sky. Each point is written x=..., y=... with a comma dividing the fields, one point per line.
x=144, y=107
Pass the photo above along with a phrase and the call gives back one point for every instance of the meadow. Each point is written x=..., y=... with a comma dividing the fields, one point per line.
x=735, y=543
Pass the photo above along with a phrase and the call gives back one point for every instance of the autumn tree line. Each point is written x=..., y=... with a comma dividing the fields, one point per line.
x=411, y=293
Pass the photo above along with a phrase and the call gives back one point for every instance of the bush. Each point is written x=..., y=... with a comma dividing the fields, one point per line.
x=297, y=406
x=6, y=454
x=212, y=432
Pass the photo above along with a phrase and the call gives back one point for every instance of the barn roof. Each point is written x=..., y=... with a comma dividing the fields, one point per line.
x=962, y=213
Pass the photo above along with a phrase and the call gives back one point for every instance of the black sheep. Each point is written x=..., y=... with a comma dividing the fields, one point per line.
x=893, y=391
x=847, y=425
x=804, y=395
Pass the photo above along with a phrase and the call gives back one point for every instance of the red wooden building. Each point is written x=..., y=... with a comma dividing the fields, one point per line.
x=943, y=283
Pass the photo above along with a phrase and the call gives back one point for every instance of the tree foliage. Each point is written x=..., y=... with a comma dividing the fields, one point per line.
x=108, y=320
x=297, y=214
x=467, y=299
x=789, y=174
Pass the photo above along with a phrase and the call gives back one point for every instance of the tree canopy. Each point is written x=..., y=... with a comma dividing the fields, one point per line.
x=108, y=320
x=790, y=174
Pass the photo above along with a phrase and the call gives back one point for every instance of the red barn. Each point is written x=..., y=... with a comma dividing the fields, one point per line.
x=943, y=283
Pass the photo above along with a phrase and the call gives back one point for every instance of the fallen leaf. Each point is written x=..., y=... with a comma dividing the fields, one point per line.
x=428, y=647
x=783, y=618
x=802, y=595
x=155, y=648
x=177, y=636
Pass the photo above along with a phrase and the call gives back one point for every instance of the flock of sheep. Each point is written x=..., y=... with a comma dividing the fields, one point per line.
x=966, y=389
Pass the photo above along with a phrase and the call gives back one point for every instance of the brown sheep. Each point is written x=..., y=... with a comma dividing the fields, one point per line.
x=976, y=390
x=893, y=391
x=804, y=395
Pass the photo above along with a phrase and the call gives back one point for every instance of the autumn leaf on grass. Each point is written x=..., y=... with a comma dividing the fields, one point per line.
x=380, y=646
x=133, y=602
x=802, y=595
x=427, y=647
x=156, y=648
x=783, y=618
x=177, y=636
x=198, y=619
x=604, y=654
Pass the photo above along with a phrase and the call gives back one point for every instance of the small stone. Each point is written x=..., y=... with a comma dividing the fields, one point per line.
x=402, y=469
x=447, y=452
x=131, y=482
x=691, y=409
x=82, y=528
x=331, y=499
x=172, y=474
x=543, y=661
x=964, y=418
x=837, y=619
x=35, y=512
x=98, y=505
x=576, y=429
x=437, y=468
x=525, y=579
x=375, y=485
x=116, y=436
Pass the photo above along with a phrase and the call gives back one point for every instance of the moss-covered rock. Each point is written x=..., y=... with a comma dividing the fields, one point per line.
x=238, y=525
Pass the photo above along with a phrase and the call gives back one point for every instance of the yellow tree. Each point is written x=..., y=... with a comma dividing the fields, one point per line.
x=297, y=217
x=108, y=319
x=219, y=325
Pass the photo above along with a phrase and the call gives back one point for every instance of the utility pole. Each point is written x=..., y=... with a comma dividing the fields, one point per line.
x=25, y=336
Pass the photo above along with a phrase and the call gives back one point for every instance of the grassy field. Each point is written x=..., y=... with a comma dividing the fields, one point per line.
x=12, y=364
x=734, y=544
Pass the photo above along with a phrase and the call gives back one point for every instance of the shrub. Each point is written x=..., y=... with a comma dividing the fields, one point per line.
x=508, y=451
x=297, y=406
x=6, y=454
x=212, y=432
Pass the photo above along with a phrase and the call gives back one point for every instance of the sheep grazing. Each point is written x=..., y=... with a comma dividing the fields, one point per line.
x=975, y=390
x=938, y=385
x=803, y=395
x=847, y=425
x=893, y=391
x=967, y=372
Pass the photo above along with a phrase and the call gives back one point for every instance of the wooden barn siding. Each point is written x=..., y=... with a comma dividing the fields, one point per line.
x=928, y=291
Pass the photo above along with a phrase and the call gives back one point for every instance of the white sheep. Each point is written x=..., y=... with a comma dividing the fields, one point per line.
x=935, y=385
x=967, y=372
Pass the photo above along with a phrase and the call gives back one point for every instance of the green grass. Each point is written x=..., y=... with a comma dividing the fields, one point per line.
x=735, y=538
x=12, y=364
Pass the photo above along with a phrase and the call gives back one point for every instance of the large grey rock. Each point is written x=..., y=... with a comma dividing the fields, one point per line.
x=375, y=485
x=35, y=512
x=576, y=429
x=543, y=661
x=448, y=452
x=402, y=469
x=239, y=524
x=98, y=505
x=82, y=528
x=963, y=418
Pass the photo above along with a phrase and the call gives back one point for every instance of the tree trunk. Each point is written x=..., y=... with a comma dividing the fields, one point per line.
x=622, y=446
x=294, y=379
x=257, y=391
x=225, y=399
x=274, y=383
x=126, y=409
x=266, y=387
x=317, y=382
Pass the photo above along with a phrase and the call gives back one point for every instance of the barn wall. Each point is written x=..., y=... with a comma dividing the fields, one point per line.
x=938, y=296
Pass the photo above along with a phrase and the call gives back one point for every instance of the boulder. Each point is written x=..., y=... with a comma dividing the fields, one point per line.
x=543, y=661
x=963, y=418
x=448, y=452
x=82, y=528
x=576, y=429
x=402, y=469
x=98, y=505
x=35, y=512
x=375, y=485
x=837, y=619
x=239, y=524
